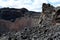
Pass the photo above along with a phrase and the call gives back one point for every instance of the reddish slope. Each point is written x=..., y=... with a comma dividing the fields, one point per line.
x=19, y=24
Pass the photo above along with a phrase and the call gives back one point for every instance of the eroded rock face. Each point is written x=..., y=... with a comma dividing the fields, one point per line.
x=57, y=18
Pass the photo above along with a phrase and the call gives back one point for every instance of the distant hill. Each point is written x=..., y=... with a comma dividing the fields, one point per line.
x=15, y=19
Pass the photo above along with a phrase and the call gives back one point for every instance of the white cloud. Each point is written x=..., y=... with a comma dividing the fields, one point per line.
x=54, y=1
x=29, y=4
x=34, y=5
x=57, y=5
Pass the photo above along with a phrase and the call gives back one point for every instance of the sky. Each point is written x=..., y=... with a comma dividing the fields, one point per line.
x=32, y=5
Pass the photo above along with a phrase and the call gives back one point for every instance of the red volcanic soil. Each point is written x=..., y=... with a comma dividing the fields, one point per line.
x=19, y=24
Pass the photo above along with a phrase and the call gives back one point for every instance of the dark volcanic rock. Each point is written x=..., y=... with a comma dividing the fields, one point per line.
x=11, y=13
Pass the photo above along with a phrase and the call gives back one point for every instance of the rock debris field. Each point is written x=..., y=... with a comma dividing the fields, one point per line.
x=34, y=33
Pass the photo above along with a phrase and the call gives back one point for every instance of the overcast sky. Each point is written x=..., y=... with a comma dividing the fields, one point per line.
x=33, y=5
